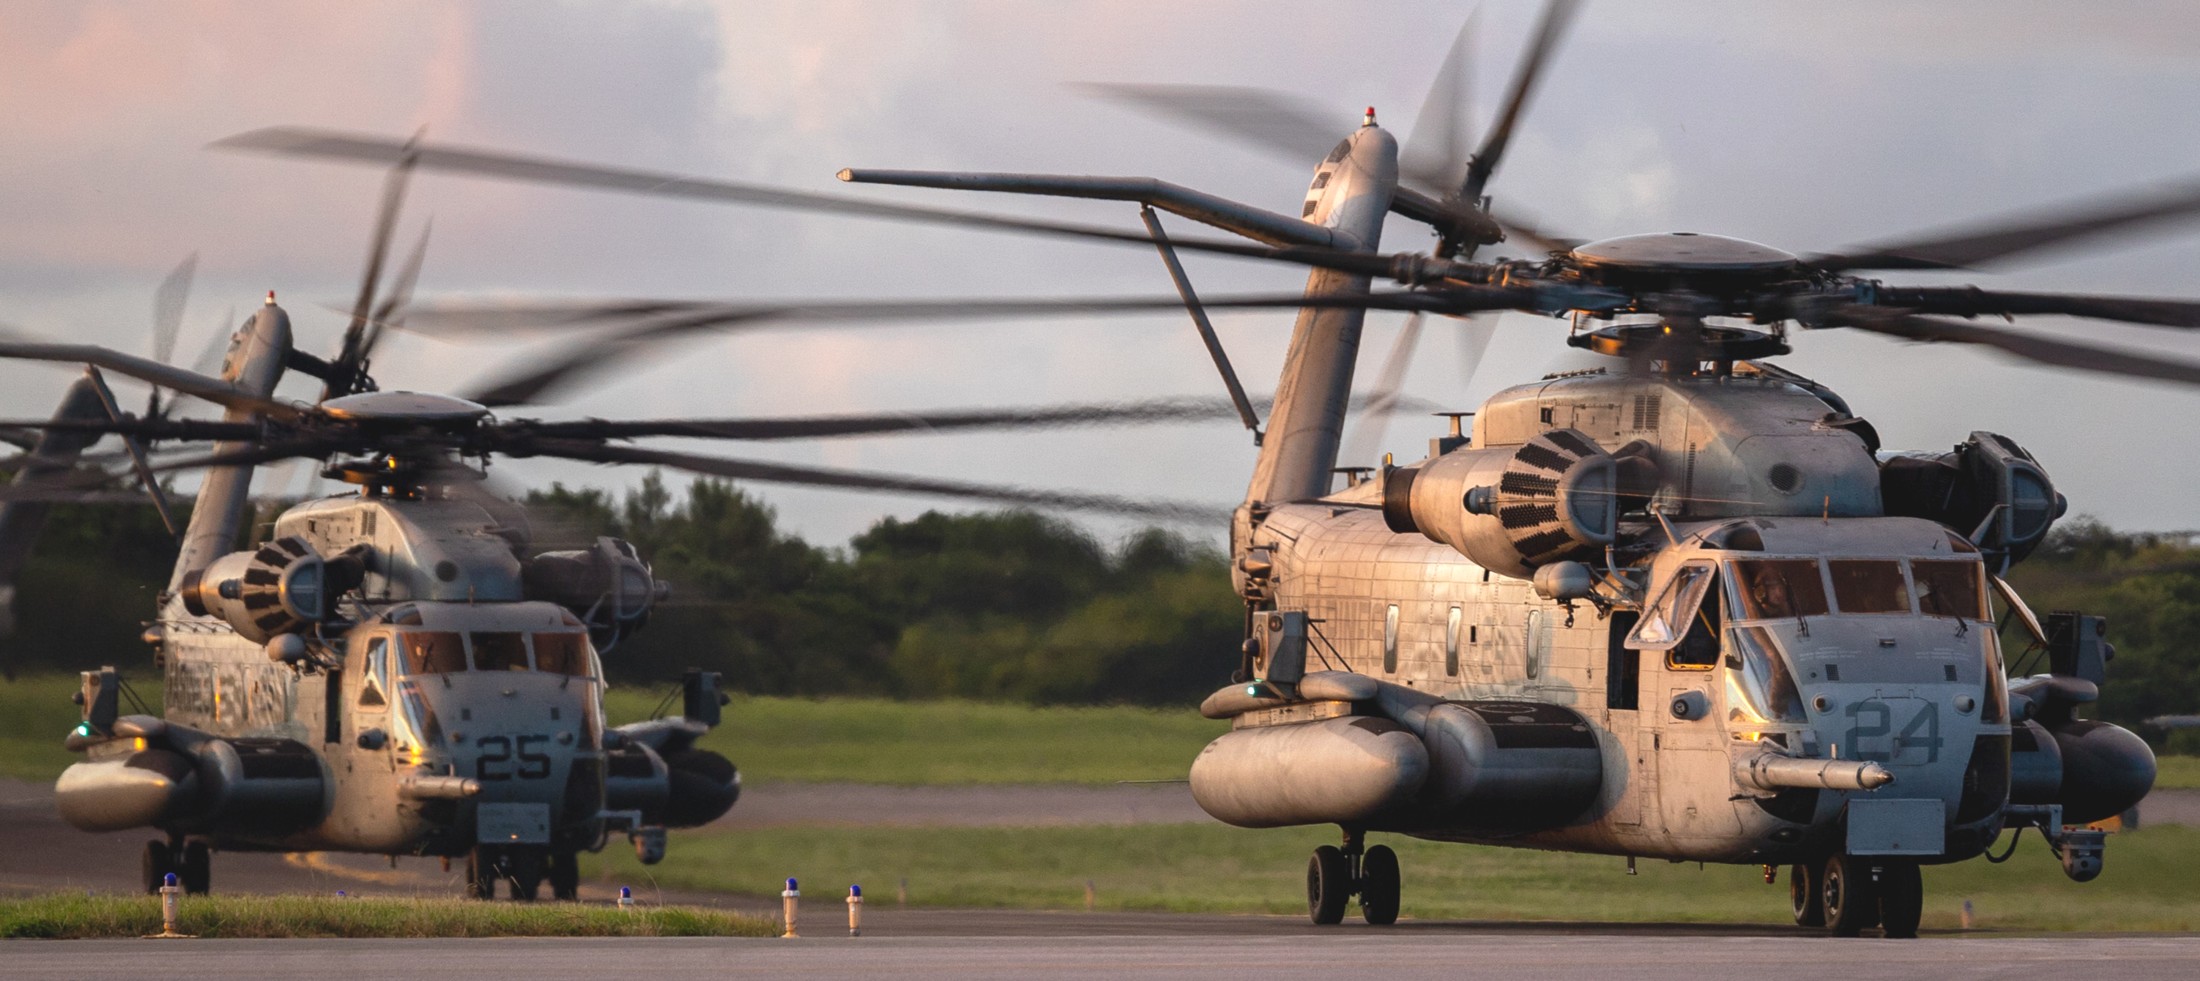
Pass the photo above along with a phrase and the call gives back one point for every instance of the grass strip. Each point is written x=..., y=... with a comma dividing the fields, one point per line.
x=74, y=917
x=1216, y=869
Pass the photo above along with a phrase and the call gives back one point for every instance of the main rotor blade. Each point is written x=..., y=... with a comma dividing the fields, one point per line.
x=361, y=148
x=539, y=378
x=252, y=455
x=155, y=429
x=825, y=427
x=1969, y=302
x=391, y=313
x=2064, y=354
x=1435, y=155
x=760, y=471
x=1556, y=15
x=168, y=305
x=2021, y=234
x=190, y=383
x=1367, y=436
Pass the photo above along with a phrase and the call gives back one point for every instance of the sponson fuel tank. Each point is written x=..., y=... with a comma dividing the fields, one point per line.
x=1496, y=766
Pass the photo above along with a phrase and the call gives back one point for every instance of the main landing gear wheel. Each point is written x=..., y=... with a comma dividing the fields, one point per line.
x=482, y=873
x=1901, y=899
x=155, y=862
x=565, y=875
x=1379, y=886
x=1846, y=890
x=197, y=868
x=1804, y=898
x=1328, y=885
x=523, y=872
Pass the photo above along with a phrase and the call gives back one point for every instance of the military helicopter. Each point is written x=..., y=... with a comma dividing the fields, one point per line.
x=1789, y=653
x=403, y=670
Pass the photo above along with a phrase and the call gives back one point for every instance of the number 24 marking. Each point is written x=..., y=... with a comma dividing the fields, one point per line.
x=1922, y=732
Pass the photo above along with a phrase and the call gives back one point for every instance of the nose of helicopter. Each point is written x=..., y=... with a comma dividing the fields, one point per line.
x=531, y=742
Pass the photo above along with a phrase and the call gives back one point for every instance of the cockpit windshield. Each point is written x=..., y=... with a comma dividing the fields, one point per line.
x=1779, y=589
x=447, y=651
x=1786, y=589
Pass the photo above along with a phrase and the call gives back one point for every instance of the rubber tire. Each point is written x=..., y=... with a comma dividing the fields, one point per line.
x=1847, y=892
x=1804, y=899
x=154, y=864
x=197, y=868
x=1901, y=900
x=1379, y=886
x=1328, y=885
x=523, y=873
x=481, y=874
x=565, y=875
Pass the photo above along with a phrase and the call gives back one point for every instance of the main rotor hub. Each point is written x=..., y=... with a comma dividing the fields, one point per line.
x=1685, y=343
x=425, y=408
x=1683, y=261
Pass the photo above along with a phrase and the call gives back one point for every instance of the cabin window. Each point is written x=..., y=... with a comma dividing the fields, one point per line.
x=434, y=652
x=373, y=688
x=1451, y=643
x=1622, y=664
x=1539, y=642
x=1779, y=589
x=1869, y=586
x=1950, y=588
x=498, y=651
x=561, y=653
x=1699, y=648
x=1390, y=640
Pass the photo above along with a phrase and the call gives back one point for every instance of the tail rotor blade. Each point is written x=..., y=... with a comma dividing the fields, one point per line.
x=169, y=302
x=391, y=312
x=1367, y=437
x=1485, y=160
x=347, y=376
x=1435, y=155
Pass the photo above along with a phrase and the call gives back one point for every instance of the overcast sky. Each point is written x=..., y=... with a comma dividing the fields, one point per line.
x=1804, y=125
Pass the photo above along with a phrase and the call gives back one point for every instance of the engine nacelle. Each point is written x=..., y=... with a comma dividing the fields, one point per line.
x=155, y=774
x=1987, y=488
x=608, y=586
x=275, y=589
x=656, y=768
x=1511, y=508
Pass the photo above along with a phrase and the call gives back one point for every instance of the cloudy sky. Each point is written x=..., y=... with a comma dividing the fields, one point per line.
x=1805, y=125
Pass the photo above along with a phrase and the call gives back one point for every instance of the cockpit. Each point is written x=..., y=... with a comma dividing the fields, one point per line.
x=449, y=651
x=1788, y=589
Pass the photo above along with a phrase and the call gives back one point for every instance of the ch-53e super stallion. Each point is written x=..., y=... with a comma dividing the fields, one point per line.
x=406, y=670
x=1684, y=606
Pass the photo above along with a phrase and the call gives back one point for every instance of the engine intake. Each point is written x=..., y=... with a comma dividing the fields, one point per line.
x=275, y=589
x=1511, y=508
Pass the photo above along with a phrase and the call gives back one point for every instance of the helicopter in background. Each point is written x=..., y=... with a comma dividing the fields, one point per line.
x=404, y=669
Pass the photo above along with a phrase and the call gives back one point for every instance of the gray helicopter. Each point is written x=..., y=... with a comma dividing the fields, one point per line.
x=405, y=670
x=1684, y=606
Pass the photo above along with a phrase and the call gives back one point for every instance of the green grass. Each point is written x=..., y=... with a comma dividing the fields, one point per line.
x=879, y=741
x=2178, y=772
x=69, y=917
x=857, y=740
x=35, y=714
x=1208, y=868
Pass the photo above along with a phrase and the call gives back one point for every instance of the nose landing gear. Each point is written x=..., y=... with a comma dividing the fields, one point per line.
x=192, y=863
x=1334, y=875
x=1855, y=893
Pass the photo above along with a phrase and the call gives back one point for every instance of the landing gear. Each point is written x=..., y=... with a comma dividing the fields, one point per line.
x=481, y=873
x=1845, y=890
x=155, y=863
x=1803, y=895
x=1334, y=875
x=521, y=868
x=191, y=863
x=523, y=872
x=197, y=868
x=565, y=875
x=1901, y=899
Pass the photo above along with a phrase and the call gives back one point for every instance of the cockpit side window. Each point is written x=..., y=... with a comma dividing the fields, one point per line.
x=1779, y=589
x=1869, y=586
x=495, y=651
x=1950, y=588
x=433, y=652
x=562, y=653
x=1699, y=649
x=374, y=687
x=1668, y=618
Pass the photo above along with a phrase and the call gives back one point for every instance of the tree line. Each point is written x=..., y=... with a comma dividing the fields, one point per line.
x=1007, y=605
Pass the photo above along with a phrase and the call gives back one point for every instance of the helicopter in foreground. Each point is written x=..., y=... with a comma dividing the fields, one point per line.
x=1681, y=606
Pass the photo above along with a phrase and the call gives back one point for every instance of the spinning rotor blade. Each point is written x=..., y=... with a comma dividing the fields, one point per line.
x=763, y=472
x=2065, y=354
x=168, y=305
x=1969, y=302
x=1383, y=401
x=2023, y=234
x=362, y=148
x=190, y=383
x=539, y=378
x=1556, y=15
x=1435, y=155
x=1291, y=130
x=347, y=372
x=823, y=427
x=392, y=311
